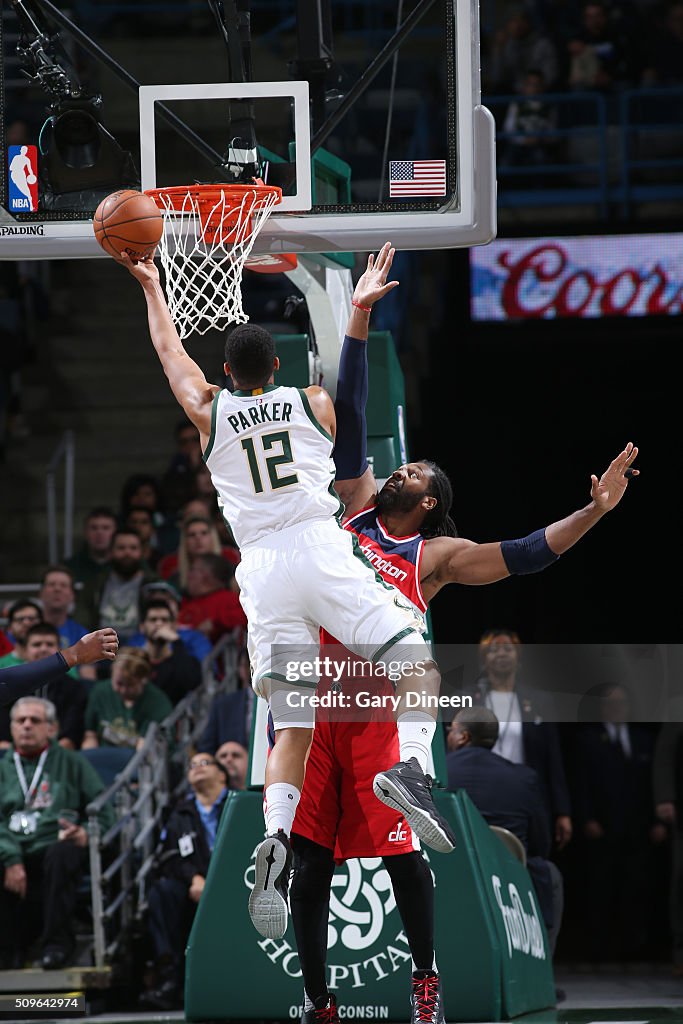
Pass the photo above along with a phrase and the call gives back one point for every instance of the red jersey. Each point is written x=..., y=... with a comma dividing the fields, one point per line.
x=338, y=808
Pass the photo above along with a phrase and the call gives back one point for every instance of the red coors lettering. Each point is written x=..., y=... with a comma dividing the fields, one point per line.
x=580, y=293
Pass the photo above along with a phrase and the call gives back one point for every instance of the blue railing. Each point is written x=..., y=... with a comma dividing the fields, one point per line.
x=608, y=151
x=576, y=152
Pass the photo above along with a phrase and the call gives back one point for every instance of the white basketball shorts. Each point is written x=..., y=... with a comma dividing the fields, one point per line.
x=307, y=576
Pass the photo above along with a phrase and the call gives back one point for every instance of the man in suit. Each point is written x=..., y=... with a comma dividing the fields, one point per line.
x=617, y=826
x=507, y=795
x=526, y=735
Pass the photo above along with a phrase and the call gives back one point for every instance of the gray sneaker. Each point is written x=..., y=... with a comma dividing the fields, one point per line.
x=406, y=788
x=268, y=898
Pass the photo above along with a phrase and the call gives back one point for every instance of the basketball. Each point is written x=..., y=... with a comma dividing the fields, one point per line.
x=130, y=222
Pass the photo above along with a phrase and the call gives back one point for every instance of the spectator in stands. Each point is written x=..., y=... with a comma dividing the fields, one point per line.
x=664, y=51
x=178, y=485
x=186, y=845
x=615, y=818
x=98, y=531
x=524, y=736
x=600, y=56
x=21, y=615
x=141, y=521
x=231, y=714
x=67, y=694
x=174, y=671
x=235, y=759
x=668, y=794
x=115, y=597
x=198, y=536
x=197, y=508
x=57, y=596
x=120, y=709
x=528, y=121
x=518, y=49
x=43, y=857
x=210, y=606
x=142, y=491
x=194, y=642
x=507, y=795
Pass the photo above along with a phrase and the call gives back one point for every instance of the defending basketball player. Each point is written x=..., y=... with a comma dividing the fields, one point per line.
x=411, y=539
x=269, y=451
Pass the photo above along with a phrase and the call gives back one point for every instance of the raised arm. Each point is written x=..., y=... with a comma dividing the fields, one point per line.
x=188, y=383
x=355, y=483
x=456, y=560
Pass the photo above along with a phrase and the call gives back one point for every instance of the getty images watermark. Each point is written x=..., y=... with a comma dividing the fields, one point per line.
x=341, y=676
x=537, y=683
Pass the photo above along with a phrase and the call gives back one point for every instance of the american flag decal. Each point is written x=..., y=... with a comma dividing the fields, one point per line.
x=417, y=178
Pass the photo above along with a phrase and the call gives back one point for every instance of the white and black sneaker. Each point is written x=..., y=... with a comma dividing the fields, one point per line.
x=323, y=1011
x=426, y=1000
x=268, y=899
x=406, y=788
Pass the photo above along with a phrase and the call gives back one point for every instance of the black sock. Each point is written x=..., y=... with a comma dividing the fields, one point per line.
x=414, y=895
x=310, y=902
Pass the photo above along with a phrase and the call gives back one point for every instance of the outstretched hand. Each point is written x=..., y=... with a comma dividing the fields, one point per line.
x=372, y=284
x=144, y=270
x=608, y=491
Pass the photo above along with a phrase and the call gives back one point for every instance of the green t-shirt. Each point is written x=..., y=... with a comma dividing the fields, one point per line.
x=117, y=725
x=9, y=660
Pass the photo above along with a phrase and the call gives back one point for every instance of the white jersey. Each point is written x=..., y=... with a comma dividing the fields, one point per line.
x=270, y=462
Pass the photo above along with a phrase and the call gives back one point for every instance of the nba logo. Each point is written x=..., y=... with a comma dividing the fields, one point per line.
x=23, y=179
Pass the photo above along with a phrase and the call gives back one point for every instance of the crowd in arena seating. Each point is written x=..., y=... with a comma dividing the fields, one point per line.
x=161, y=571
x=604, y=45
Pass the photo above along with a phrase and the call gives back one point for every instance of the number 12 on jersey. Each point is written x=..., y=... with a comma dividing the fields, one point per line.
x=273, y=462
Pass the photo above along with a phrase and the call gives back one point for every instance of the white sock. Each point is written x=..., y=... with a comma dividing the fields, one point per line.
x=308, y=1003
x=415, y=734
x=279, y=807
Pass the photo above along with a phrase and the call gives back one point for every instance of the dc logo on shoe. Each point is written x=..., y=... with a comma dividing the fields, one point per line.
x=22, y=162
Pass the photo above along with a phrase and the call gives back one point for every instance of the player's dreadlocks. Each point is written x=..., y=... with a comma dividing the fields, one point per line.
x=437, y=522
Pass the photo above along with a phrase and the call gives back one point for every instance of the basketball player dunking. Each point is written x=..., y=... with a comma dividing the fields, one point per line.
x=269, y=450
x=406, y=531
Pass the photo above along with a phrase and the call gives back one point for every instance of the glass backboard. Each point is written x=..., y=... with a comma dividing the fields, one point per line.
x=367, y=115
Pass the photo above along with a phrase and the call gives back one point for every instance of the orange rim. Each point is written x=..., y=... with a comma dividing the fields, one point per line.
x=226, y=222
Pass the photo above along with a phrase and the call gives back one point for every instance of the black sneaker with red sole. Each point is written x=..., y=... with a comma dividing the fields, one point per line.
x=323, y=1011
x=426, y=1000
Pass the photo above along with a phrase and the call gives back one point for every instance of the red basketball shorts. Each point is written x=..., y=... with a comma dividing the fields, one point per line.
x=338, y=808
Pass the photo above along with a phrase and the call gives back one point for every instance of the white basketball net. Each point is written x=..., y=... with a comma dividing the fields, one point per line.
x=204, y=275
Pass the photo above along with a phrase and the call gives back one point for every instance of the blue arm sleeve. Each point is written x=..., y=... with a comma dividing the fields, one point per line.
x=352, y=394
x=528, y=554
x=21, y=680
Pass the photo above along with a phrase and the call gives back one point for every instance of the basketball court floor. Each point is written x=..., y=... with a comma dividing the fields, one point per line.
x=634, y=996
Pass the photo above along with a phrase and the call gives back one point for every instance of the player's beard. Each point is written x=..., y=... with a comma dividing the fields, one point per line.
x=395, y=501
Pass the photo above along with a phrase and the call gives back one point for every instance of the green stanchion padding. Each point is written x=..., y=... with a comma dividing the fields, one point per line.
x=292, y=351
x=526, y=968
x=234, y=973
x=386, y=385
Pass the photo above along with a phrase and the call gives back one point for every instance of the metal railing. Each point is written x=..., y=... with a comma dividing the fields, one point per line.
x=140, y=795
x=606, y=150
x=148, y=784
x=64, y=452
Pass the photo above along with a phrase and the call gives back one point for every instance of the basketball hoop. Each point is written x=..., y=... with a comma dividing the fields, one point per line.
x=209, y=231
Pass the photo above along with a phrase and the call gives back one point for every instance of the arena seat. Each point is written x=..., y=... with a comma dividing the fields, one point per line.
x=513, y=842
